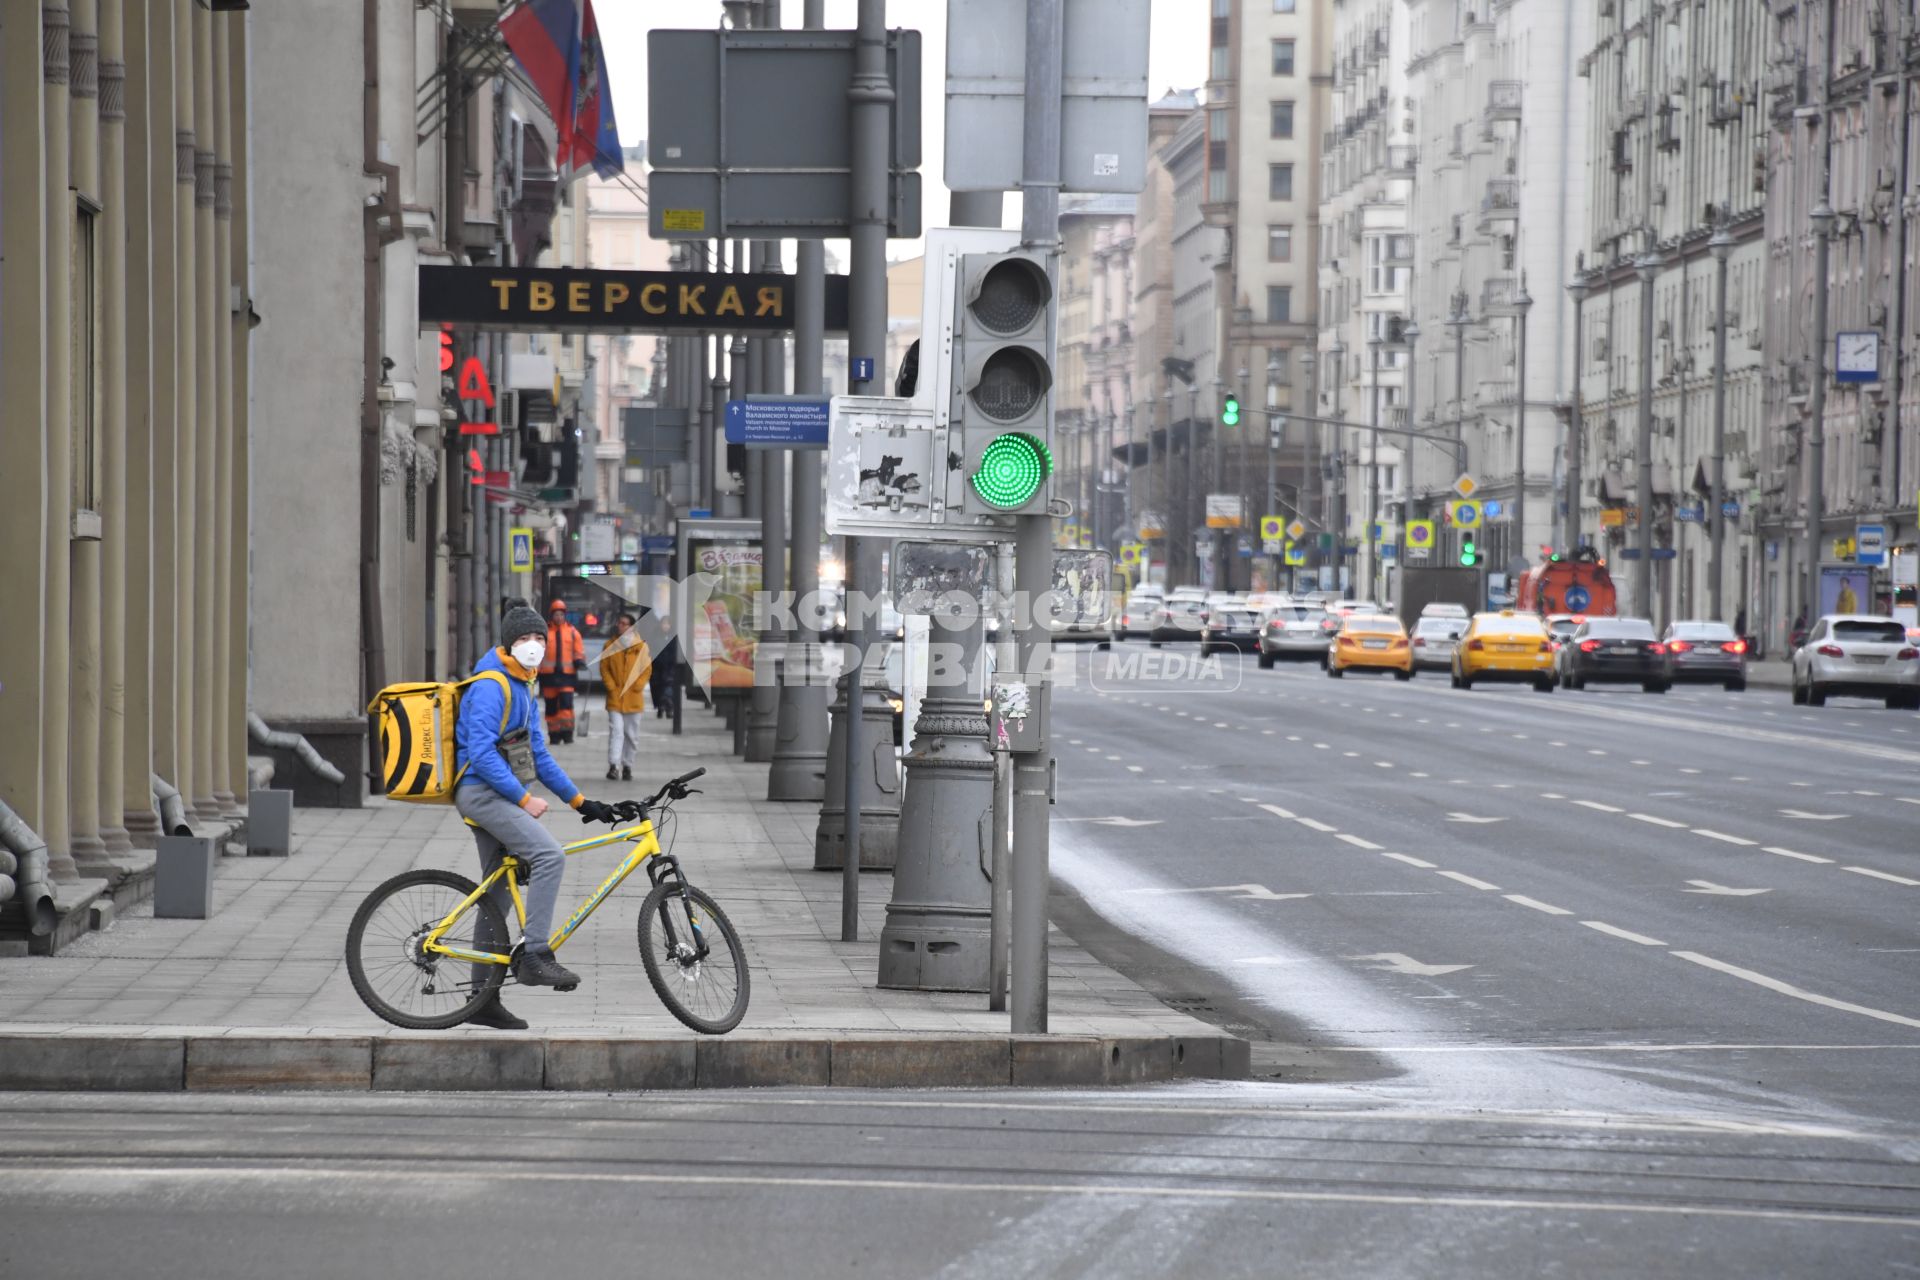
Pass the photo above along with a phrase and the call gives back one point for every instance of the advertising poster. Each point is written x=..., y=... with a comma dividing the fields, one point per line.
x=724, y=578
x=1845, y=589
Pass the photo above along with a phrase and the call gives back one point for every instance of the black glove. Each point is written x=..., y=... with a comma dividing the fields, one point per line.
x=596, y=811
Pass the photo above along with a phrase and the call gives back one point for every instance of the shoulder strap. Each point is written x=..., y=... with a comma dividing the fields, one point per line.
x=506, y=691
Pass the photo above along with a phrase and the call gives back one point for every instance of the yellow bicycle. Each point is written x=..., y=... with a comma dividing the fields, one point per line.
x=428, y=948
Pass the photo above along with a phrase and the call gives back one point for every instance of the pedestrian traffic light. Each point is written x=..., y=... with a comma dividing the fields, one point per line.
x=1230, y=411
x=1469, y=554
x=1001, y=402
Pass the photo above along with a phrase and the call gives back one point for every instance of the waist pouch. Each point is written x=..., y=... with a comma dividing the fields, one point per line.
x=517, y=748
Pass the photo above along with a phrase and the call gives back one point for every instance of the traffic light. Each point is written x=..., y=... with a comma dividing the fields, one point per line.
x=1469, y=554
x=1230, y=411
x=1001, y=414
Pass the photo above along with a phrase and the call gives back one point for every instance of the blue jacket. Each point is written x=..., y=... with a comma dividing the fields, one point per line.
x=478, y=735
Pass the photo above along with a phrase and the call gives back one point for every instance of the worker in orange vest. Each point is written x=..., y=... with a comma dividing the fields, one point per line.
x=560, y=672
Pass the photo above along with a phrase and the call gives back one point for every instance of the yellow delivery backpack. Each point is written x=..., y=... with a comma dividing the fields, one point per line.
x=418, y=723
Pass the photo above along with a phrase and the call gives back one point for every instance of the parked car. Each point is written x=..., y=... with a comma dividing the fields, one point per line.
x=1295, y=631
x=1504, y=646
x=1434, y=640
x=1229, y=623
x=1705, y=651
x=1135, y=618
x=1614, y=651
x=1178, y=617
x=1371, y=642
x=1857, y=655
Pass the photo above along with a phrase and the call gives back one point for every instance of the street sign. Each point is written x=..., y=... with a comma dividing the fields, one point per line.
x=1464, y=514
x=861, y=369
x=880, y=470
x=940, y=578
x=1690, y=515
x=519, y=550
x=1151, y=525
x=1297, y=529
x=1243, y=547
x=1223, y=511
x=1418, y=555
x=1388, y=550
x=779, y=422
x=1131, y=552
x=750, y=135
x=1730, y=508
x=1466, y=486
x=1272, y=546
x=1103, y=108
x=1870, y=544
x=1492, y=508
x=1296, y=553
x=1419, y=535
x=1659, y=553
x=591, y=300
x=1272, y=528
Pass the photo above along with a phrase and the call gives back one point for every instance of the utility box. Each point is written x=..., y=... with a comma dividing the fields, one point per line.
x=269, y=824
x=183, y=878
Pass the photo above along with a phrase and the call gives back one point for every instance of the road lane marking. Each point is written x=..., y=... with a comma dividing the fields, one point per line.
x=1708, y=886
x=1596, y=805
x=1880, y=875
x=1804, y=816
x=1470, y=819
x=1136, y=768
x=1400, y=962
x=1278, y=812
x=1536, y=904
x=1316, y=826
x=1656, y=821
x=1256, y=892
x=1418, y=775
x=1804, y=857
x=1711, y=834
x=1798, y=993
x=1907, y=800
x=1470, y=881
x=1357, y=842
x=1618, y=932
x=1410, y=860
x=1551, y=795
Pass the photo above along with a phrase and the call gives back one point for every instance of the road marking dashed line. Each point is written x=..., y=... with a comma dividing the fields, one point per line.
x=1711, y=834
x=1472, y=882
x=1798, y=993
x=1536, y=904
x=1409, y=859
x=1628, y=934
x=1603, y=808
x=1880, y=875
x=1356, y=841
x=1656, y=820
x=1316, y=826
x=1804, y=857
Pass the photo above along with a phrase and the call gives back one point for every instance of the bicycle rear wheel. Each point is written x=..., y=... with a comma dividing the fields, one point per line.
x=406, y=985
x=708, y=993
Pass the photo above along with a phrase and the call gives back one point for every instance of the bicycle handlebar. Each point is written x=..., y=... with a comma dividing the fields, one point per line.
x=676, y=789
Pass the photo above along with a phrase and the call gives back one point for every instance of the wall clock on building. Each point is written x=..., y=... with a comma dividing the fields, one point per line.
x=1856, y=356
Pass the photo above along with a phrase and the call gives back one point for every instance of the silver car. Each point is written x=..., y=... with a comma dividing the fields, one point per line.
x=1295, y=631
x=1434, y=640
x=1857, y=655
x=1705, y=651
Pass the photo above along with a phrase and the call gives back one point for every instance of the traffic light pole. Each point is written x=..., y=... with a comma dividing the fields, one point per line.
x=1039, y=230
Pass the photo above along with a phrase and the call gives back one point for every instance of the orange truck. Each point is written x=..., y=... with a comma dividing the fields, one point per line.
x=1576, y=582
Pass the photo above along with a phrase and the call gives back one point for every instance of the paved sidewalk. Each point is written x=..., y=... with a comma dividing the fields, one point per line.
x=269, y=961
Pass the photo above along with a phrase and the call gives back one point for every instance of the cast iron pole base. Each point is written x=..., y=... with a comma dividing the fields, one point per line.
x=799, y=770
x=879, y=789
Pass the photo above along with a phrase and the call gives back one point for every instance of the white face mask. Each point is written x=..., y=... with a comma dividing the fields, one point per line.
x=529, y=652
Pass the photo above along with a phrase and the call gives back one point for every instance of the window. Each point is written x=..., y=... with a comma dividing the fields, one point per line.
x=1280, y=182
x=1219, y=69
x=1279, y=304
x=1283, y=6
x=1280, y=244
x=1376, y=254
x=1282, y=124
x=1283, y=57
x=1217, y=124
x=1217, y=186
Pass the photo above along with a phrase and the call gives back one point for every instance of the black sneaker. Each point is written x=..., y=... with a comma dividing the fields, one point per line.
x=540, y=969
x=626, y=774
x=613, y=774
x=494, y=1014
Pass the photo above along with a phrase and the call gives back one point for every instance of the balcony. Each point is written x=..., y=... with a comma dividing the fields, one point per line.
x=1402, y=160
x=1501, y=203
x=1497, y=295
x=1633, y=108
x=1503, y=99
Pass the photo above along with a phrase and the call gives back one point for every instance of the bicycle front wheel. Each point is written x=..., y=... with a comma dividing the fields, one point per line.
x=398, y=978
x=708, y=993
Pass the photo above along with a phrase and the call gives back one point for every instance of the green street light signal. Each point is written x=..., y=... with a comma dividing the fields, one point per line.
x=1012, y=471
x=1469, y=554
x=1230, y=411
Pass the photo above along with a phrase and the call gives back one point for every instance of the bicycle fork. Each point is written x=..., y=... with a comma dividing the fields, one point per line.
x=664, y=868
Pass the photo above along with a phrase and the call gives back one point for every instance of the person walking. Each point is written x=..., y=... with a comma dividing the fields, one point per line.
x=625, y=668
x=663, y=680
x=560, y=672
x=501, y=748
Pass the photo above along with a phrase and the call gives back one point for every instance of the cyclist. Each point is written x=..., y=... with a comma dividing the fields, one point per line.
x=502, y=747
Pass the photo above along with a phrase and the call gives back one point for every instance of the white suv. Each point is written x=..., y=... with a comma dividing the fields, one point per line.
x=1857, y=655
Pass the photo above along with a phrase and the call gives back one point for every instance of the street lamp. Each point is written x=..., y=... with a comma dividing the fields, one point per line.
x=1370, y=538
x=1309, y=465
x=1647, y=266
x=1517, y=561
x=1577, y=289
x=1458, y=320
x=1337, y=463
x=1822, y=219
x=1721, y=246
x=1409, y=334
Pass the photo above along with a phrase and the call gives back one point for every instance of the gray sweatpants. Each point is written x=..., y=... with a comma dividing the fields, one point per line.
x=502, y=826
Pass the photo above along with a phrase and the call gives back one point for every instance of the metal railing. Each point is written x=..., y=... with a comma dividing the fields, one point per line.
x=1503, y=99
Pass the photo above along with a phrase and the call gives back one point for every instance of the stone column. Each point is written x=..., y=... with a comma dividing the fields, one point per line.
x=206, y=395
x=83, y=616
x=23, y=338
x=220, y=511
x=174, y=600
x=115, y=298
x=56, y=705
x=238, y=388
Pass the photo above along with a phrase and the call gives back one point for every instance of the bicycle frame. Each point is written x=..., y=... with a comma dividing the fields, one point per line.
x=646, y=846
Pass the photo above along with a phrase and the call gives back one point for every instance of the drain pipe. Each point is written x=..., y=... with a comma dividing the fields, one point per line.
x=27, y=854
x=295, y=743
x=173, y=812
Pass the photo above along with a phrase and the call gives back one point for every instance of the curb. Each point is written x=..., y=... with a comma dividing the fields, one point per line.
x=464, y=1063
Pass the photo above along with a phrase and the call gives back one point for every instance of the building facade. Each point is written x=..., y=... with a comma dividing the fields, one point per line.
x=1093, y=395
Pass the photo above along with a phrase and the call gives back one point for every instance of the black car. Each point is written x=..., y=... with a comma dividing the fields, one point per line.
x=1614, y=651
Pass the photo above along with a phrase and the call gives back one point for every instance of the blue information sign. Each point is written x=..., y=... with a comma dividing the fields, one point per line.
x=862, y=369
x=779, y=422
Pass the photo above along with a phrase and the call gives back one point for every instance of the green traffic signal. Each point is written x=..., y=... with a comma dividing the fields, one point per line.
x=1013, y=468
x=1469, y=555
x=1230, y=411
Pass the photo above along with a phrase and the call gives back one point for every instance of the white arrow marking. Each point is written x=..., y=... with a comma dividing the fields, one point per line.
x=1118, y=822
x=1708, y=886
x=1804, y=816
x=1258, y=892
x=1467, y=817
x=1397, y=962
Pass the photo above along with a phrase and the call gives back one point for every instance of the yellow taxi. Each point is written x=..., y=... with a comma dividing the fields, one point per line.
x=1504, y=646
x=1370, y=642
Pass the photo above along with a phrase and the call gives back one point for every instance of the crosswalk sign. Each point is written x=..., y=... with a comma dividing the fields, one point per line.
x=1296, y=553
x=1464, y=514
